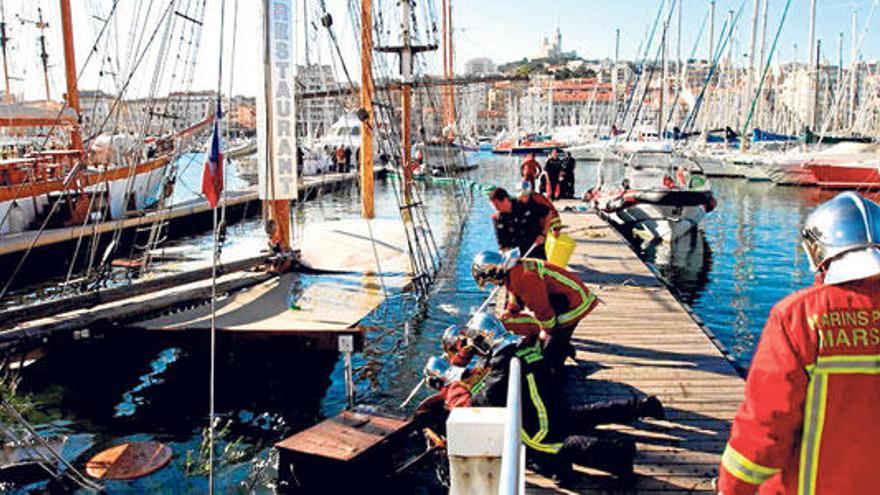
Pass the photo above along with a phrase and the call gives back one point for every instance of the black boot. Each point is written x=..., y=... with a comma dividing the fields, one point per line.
x=612, y=456
x=651, y=407
x=554, y=467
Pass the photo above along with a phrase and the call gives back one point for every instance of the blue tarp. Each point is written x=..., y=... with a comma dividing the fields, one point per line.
x=759, y=135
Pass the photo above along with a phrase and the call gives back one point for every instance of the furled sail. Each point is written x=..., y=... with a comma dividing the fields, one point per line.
x=276, y=110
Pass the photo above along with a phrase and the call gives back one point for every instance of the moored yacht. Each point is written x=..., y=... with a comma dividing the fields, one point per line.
x=662, y=196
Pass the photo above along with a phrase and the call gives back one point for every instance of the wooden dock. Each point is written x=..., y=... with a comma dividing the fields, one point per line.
x=642, y=341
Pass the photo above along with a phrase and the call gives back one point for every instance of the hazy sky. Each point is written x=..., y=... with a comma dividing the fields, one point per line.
x=502, y=30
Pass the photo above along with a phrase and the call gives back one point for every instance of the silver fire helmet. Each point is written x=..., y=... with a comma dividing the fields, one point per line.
x=483, y=330
x=436, y=371
x=842, y=238
x=508, y=340
x=487, y=268
x=454, y=339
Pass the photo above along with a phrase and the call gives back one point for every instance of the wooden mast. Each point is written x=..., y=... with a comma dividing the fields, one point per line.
x=4, y=40
x=44, y=56
x=366, y=114
x=406, y=67
x=276, y=126
x=448, y=64
x=445, y=89
x=407, y=51
x=70, y=72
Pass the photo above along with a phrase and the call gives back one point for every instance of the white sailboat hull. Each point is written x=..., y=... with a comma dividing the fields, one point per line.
x=20, y=215
x=717, y=166
x=591, y=152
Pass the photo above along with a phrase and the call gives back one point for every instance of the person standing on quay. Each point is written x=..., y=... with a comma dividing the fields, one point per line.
x=340, y=159
x=530, y=170
x=808, y=424
x=552, y=169
x=566, y=177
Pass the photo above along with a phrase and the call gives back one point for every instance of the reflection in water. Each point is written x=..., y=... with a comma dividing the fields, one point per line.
x=753, y=236
x=138, y=386
x=684, y=263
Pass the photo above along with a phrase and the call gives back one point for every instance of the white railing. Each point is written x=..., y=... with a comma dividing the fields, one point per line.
x=512, y=480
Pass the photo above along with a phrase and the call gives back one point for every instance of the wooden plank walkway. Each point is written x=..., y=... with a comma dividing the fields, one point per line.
x=643, y=341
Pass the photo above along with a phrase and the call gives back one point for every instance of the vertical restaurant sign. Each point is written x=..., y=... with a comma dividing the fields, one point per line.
x=276, y=110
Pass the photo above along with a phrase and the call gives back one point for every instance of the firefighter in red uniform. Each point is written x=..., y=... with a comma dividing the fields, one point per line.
x=808, y=424
x=556, y=298
x=530, y=170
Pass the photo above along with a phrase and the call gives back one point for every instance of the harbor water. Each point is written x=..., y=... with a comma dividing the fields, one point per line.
x=136, y=386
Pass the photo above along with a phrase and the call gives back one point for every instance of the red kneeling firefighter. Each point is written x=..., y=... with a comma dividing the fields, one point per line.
x=808, y=424
x=556, y=298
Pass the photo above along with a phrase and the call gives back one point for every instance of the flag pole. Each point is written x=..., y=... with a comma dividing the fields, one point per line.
x=216, y=145
x=213, y=351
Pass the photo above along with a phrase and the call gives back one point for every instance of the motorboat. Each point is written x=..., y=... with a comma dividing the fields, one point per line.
x=533, y=143
x=663, y=195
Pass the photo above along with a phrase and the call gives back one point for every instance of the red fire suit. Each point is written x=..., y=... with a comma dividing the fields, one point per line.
x=530, y=170
x=809, y=422
x=556, y=298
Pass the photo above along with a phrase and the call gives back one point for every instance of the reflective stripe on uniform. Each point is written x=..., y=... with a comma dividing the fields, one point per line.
x=587, y=298
x=744, y=469
x=577, y=312
x=846, y=364
x=548, y=324
x=535, y=442
x=814, y=419
x=814, y=409
x=527, y=319
x=530, y=354
x=478, y=387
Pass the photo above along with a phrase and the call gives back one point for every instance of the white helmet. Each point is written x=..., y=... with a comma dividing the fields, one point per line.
x=842, y=238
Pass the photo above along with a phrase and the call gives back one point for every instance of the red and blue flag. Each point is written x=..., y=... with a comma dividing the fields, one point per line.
x=212, y=176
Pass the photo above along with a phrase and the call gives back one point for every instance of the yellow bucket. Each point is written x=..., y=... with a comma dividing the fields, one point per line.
x=559, y=249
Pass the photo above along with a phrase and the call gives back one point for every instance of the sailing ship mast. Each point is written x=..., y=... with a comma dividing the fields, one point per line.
x=366, y=111
x=448, y=72
x=811, y=52
x=853, y=74
x=44, y=56
x=4, y=41
x=70, y=72
x=276, y=121
x=407, y=51
x=406, y=68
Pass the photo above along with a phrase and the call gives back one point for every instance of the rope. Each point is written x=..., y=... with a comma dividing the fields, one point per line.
x=214, y=260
